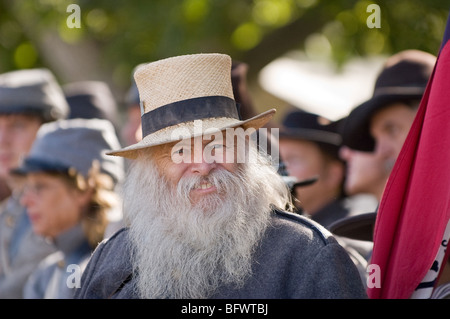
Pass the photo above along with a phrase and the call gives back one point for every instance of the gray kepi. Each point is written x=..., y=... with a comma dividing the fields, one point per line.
x=74, y=145
x=32, y=91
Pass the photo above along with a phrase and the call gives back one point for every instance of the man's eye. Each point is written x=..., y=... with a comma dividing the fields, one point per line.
x=179, y=151
x=216, y=148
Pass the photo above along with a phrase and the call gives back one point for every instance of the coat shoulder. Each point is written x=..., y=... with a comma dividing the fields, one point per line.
x=304, y=226
x=108, y=269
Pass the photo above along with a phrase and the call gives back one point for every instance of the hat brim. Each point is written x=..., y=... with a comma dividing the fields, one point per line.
x=313, y=135
x=293, y=182
x=33, y=165
x=359, y=227
x=191, y=129
x=356, y=132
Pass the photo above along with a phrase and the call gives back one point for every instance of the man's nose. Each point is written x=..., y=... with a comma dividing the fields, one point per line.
x=384, y=148
x=202, y=166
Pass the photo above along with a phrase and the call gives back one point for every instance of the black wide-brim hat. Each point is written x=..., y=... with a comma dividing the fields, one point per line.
x=356, y=129
x=404, y=78
x=299, y=124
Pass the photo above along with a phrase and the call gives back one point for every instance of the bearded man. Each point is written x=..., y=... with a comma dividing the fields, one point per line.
x=204, y=209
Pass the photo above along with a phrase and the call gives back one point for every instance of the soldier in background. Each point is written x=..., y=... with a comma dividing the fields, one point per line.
x=28, y=99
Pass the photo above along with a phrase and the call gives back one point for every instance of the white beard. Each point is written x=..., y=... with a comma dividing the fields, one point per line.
x=185, y=251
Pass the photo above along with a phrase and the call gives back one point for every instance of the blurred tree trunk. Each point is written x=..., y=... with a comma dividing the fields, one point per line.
x=75, y=62
x=281, y=40
x=275, y=45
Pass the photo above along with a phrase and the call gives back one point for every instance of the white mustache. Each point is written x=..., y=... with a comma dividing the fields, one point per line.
x=221, y=179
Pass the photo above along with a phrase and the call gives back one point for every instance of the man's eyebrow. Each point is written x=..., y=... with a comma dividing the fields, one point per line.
x=181, y=143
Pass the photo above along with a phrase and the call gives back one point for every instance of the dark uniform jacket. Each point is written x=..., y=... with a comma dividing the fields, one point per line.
x=297, y=258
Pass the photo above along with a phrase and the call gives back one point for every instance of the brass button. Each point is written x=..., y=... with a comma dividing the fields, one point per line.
x=61, y=263
x=10, y=221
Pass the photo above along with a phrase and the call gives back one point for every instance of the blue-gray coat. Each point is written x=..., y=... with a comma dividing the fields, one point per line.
x=297, y=258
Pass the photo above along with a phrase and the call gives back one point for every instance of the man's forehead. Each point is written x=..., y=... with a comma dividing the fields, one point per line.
x=391, y=108
x=205, y=139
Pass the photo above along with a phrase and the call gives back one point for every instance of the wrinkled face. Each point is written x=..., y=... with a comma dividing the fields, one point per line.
x=17, y=133
x=197, y=158
x=52, y=205
x=389, y=127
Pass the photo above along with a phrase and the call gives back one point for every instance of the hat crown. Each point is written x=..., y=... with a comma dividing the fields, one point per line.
x=309, y=126
x=91, y=99
x=404, y=77
x=32, y=89
x=410, y=68
x=183, y=77
x=76, y=143
x=305, y=120
x=178, y=93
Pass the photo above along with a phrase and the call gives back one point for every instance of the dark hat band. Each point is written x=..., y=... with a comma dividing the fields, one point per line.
x=37, y=165
x=39, y=109
x=399, y=90
x=188, y=110
x=43, y=111
x=311, y=135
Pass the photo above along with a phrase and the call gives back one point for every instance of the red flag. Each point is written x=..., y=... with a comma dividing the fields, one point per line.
x=414, y=211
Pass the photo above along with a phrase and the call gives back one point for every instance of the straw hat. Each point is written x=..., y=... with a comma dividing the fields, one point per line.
x=176, y=92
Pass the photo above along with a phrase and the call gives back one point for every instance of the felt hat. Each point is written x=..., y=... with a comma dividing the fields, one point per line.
x=91, y=99
x=176, y=92
x=404, y=77
x=298, y=124
x=132, y=95
x=74, y=144
x=241, y=93
x=35, y=91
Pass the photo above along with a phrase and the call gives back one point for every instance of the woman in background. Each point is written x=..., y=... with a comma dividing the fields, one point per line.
x=69, y=189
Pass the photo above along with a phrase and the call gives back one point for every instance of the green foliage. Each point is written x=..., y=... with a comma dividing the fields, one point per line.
x=129, y=32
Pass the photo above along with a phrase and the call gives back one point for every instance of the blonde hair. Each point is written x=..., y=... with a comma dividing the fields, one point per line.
x=103, y=198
